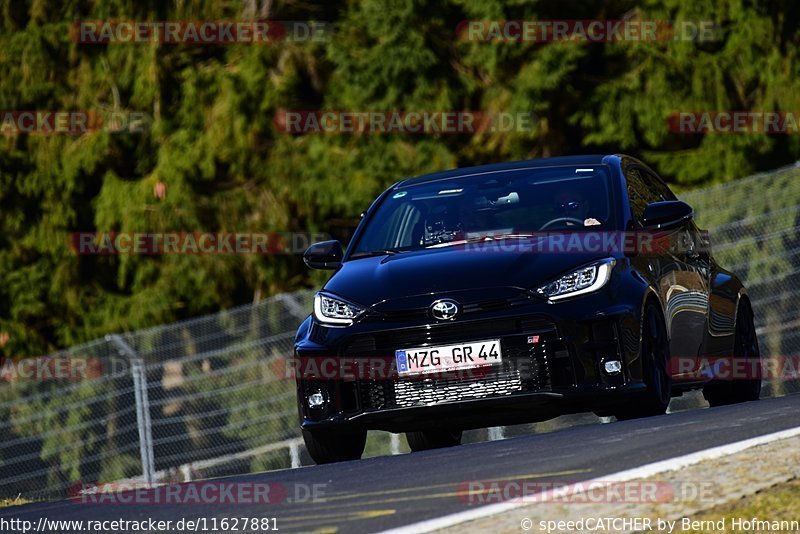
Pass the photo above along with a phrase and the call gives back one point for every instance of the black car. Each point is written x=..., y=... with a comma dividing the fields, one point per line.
x=514, y=293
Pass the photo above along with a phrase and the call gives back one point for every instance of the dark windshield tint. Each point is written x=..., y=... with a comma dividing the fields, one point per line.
x=517, y=202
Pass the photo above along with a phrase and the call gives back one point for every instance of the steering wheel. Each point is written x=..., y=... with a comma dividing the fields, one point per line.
x=560, y=220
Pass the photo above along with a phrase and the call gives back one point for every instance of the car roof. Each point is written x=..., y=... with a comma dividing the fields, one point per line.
x=593, y=159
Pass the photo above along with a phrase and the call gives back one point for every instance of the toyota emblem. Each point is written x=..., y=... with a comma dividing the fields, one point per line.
x=445, y=309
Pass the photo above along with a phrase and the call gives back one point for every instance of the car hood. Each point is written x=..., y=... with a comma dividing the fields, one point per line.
x=372, y=280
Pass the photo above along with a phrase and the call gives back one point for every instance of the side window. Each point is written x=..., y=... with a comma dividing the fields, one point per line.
x=403, y=228
x=640, y=193
x=659, y=187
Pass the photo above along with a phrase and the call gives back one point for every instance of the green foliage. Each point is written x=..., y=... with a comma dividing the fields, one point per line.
x=212, y=148
x=212, y=145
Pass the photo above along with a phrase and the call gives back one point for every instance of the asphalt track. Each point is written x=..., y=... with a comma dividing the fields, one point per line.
x=393, y=491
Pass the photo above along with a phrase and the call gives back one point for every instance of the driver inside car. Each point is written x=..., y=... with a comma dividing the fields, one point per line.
x=575, y=209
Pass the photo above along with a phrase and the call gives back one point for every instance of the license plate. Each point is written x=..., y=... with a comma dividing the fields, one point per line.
x=448, y=357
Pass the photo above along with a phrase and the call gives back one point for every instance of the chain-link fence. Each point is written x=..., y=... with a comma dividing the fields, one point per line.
x=202, y=397
x=209, y=396
x=753, y=226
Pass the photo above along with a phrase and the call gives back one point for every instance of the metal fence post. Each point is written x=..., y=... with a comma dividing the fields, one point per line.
x=294, y=454
x=496, y=432
x=139, y=376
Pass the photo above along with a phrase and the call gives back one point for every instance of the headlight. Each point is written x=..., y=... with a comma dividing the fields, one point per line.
x=333, y=311
x=584, y=280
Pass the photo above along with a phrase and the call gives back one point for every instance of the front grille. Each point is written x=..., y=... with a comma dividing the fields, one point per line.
x=417, y=308
x=433, y=391
x=469, y=308
x=524, y=369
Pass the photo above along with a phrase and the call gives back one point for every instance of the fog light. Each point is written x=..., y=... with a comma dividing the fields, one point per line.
x=316, y=400
x=613, y=367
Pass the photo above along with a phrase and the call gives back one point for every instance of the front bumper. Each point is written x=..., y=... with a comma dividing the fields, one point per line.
x=552, y=365
x=480, y=413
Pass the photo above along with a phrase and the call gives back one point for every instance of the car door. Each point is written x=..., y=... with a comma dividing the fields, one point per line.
x=674, y=268
x=722, y=299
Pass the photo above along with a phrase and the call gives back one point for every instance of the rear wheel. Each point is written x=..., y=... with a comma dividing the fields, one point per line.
x=655, y=358
x=433, y=439
x=327, y=447
x=745, y=346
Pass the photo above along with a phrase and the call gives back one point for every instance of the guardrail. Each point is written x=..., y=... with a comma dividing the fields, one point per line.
x=207, y=396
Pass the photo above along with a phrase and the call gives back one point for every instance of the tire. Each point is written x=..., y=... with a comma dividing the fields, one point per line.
x=655, y=363
x=745, y=345
x=433, y=439
x=330, y=447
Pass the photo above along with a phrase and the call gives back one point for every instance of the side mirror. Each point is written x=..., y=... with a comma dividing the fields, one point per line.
x=666, y=215
x=324, y=255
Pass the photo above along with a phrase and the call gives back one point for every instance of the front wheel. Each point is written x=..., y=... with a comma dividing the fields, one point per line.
x=326, y=447
x=745, y=347
x=433, y=439
x=655, y=358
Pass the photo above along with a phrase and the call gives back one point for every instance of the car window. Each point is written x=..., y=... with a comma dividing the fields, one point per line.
x=659, y=186
x=403, y=227
x=640, y=192
x=519, y=202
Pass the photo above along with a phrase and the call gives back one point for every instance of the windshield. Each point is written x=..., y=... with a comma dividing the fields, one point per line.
x=507, y=204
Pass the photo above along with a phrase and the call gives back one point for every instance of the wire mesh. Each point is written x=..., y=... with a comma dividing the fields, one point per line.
x=220, y=402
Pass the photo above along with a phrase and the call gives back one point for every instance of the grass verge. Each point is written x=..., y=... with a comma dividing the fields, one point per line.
x=776, y=504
